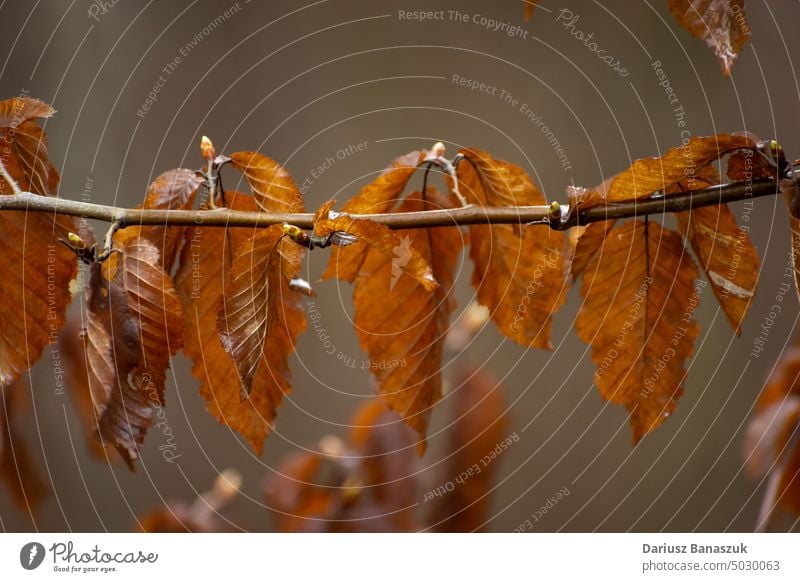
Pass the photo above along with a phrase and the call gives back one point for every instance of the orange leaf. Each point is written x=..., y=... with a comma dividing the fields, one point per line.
x=721, y=23
x=726, y=255
x=402, y=323
x=650, y=175
x=519, y=277
x=37, y=271
x=272, y=186
x=377, y=197
x=25, y=146
x=205, y=268
x=478, y=430
x=374, y=236
x=590, y=241
x=792, y=196
x=530, y=7
x=260, y=316
x=637, y=314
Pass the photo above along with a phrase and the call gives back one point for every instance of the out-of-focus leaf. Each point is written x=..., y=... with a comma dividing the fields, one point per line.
x=721, y=23
x=478, y=437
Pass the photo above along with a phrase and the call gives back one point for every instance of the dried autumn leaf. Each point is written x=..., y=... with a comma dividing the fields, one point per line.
x=649, y=175
x=771, y=443
x=37, y=271
x=205, y=268
x=133, y=326
x=721, y=23
x=518, y=277
x=377, y=197
x=637, y=314
x=273, y=188
x=25, y=146
x=113, y=352
x=478, y=430
x=260, y=316
x=374, y=236
x=26, y=487
x=72, y=347
x=402, y=323
x=724, y=252
x=589, y=243
x=172, y=190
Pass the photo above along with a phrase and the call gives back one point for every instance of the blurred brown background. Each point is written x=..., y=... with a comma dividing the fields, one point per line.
x=300, y=82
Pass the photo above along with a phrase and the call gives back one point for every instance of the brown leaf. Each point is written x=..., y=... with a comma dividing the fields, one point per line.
x=519, y=277
x=726, y=254
x=649, y=175
x=37, y=271
x=771, y=442
x=377, y=197
x=374, y=236
x=637, y=314
x=260, y=316
x=133, y=326
x=205, y=267
x=113, y=352
x=401, y=323
x=721, y=23
x=172, y=190
x=478, y=435
x=272, y=186
x=17, y=470
x=590, y=241
x=72, y=348
x=25, y=146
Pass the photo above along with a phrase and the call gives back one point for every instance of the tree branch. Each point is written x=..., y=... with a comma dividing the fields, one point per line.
x=535, y=215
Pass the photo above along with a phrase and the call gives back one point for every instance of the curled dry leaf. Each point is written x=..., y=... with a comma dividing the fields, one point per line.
x=402, y=323
x=721, y=23
x=637, y=314
x=172, y=190
x=25, y=146
x=519, y=274
x=374, y=236
x=273, y=188
x=37, y=269
x=17, y=469
x=772, y=441
x=478, y=430
x=204, y=277
x=724, y=251
x=379, y=196
x=649, y=175
x=133, y=326
x=260, y=315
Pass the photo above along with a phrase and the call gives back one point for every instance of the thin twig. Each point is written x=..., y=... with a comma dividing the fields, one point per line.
x=535, y=215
